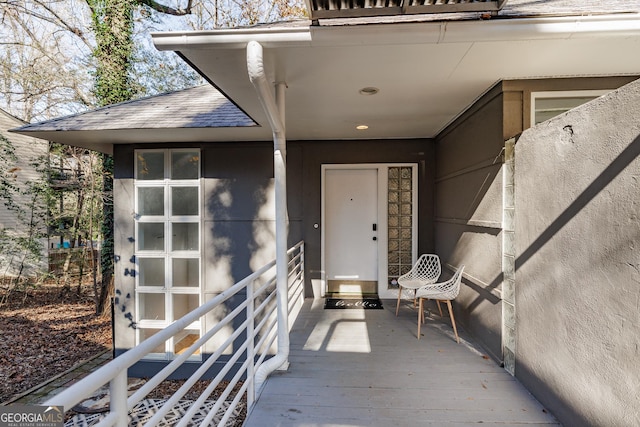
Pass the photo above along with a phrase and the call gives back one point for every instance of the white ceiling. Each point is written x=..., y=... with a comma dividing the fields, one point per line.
x=427, y=73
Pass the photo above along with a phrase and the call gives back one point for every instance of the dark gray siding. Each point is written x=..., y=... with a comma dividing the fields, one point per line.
x=238, y=208
x=469, y=214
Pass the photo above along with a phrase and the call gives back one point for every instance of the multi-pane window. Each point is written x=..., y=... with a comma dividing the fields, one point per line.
x=167, y=243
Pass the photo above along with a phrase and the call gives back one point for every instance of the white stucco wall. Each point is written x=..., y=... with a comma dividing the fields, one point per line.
x=577, y=184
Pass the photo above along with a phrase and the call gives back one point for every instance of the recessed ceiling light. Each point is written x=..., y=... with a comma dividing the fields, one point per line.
x=369, y=90
x=362, y=127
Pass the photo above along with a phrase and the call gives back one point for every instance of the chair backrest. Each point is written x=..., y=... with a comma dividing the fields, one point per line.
x=427, y=267
x=452, y=286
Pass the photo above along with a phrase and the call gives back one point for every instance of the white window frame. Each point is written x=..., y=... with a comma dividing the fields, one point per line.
x=167, y=253
x=535, y=96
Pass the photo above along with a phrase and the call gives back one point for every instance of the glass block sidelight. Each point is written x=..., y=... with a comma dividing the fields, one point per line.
x=400, y=222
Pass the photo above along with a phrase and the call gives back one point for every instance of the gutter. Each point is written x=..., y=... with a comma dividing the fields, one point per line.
x=274, y=109
x=232, y=38
x=512, y=29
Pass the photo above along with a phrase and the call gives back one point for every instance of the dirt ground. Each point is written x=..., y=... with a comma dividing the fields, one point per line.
x=43, y=334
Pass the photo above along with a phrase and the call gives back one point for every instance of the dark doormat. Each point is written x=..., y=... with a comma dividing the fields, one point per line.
x=362, y=303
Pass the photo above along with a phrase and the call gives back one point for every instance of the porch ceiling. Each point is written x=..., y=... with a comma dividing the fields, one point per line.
x=427, y=73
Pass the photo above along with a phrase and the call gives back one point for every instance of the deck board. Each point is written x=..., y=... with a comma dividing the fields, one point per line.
x=366, y=368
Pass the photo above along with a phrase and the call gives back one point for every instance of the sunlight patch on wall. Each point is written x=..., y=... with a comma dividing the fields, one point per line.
x=225, y=198
x=220, y=194
x=213, y=318
x=219, y=276
x=267, y=209
x=263, y=248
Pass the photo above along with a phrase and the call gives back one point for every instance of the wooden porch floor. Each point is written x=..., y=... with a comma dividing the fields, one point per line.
x=366, y=368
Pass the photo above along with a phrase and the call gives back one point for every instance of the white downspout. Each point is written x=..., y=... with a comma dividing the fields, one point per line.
x=275, y=114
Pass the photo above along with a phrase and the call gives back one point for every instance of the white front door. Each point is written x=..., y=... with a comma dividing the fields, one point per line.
x=351, y=230
x=369, y=227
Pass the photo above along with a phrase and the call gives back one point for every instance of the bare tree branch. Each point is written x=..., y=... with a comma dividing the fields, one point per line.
x=51, y=17
x=166, y=9
x=63, y=23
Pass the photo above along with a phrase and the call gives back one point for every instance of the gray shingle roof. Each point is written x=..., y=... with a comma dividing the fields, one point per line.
x=511, y=9
x=567, y=7
x=198, y=107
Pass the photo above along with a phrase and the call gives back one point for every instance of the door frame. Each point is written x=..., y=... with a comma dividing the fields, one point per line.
x=383, y=236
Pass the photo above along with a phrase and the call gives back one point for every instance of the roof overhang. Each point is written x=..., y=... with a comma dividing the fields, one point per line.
x=196, y=114
x=103, y=140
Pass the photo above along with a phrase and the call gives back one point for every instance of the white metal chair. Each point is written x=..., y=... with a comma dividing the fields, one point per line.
x=443, y=291
x=426, y=270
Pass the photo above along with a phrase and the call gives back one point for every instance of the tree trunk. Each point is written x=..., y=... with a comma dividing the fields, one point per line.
x=113, y=25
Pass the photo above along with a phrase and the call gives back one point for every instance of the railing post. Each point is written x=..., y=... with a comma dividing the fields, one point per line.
x=118, y=394
x=251, y=389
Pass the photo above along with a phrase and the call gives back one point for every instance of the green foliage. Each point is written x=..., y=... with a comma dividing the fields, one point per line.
x=113, y=28
x=112, y=22
x=107, y=254
x=8, y=186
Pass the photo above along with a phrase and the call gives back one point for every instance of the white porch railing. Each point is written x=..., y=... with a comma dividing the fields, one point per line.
x=260, y=326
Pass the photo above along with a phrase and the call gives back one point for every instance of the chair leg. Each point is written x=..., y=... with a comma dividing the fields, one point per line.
x=439, y=307
x=415, y=291
x=453, y=321
x=419, y=317
x=398, y=305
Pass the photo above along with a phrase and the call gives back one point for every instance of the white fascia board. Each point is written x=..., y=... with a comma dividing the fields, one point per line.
x=512, y=29
x=542, y=28
x=232, y=38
